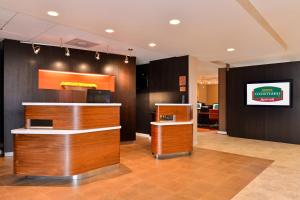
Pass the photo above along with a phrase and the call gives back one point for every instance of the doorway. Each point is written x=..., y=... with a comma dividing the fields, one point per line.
x=207, y=104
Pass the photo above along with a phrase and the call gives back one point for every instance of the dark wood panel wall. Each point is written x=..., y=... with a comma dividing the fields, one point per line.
x=21, y=81
x=222, y=98
x=143, y=114
x=164, y=80
x=266, y=123
x=163, y=87
x=1, y=97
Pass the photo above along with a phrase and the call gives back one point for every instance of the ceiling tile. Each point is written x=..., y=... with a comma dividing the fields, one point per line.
x=58, y=32
x=208, y=27
x=28, y=26
x=5, y=15
x=284, y=18
x=13, y=36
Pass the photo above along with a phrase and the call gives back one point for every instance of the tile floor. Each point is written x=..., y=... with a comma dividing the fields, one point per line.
x=206, y=130
x=207, y=174
x=280, y=181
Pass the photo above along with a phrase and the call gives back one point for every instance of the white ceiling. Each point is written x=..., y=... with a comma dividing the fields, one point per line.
x=208, y=27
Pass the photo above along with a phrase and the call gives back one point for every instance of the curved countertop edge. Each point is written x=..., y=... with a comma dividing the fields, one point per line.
x=171, y=123
x=173, y=104
x=60, y=132
x=68, y=104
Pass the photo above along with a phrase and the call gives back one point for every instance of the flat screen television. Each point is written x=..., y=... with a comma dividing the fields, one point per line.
x=98, y=96
x=272, y=93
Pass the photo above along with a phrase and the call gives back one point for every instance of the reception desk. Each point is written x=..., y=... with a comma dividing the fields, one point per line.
x=67, y=139
x=172, y=130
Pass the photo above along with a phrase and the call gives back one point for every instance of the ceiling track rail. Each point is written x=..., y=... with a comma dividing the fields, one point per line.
x=7, y=22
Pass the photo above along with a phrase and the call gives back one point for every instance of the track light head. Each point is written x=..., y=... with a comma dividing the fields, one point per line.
x=126, y=60
x=36, y=49
x=97, y=55
x=67, y=51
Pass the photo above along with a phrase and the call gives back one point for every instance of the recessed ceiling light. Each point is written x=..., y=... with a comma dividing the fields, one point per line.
x=152, y=44
x=109, y=30
x=174, y=21
x=230, y=49
x=52, y=13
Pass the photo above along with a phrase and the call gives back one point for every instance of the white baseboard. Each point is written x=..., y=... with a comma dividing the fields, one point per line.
x=8, y=154
x=144, y=135
x=222, y=132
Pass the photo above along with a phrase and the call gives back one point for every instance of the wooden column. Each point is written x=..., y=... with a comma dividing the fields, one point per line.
x=222, y=98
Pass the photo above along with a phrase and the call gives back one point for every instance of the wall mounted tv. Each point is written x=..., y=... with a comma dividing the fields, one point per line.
x=272, y=93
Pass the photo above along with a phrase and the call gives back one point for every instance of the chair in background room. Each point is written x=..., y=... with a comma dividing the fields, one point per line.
x=213, y=118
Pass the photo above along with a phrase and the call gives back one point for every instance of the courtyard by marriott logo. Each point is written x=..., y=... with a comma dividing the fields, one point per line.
x=267, y=94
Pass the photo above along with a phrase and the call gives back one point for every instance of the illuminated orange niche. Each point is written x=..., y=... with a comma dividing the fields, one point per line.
x=49, y=79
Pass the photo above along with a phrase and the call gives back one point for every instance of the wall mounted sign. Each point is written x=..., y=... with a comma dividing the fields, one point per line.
x=182, y=83
x=182, y=80
x=182, y=89
x=78, y=86
x=268, y=94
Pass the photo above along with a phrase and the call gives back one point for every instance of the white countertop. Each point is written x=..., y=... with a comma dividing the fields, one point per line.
x=59, y=132
x=171, y=123
x=173, y=104
x=68, y=104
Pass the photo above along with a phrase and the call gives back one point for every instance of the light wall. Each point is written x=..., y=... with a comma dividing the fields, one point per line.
x=193, y=75
x=201, y=93
x=197, y=68
x=207, y=94
x=212, y=94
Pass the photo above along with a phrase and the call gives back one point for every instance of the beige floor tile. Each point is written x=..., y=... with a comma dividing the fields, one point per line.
x=208, y=174
x=281, y=180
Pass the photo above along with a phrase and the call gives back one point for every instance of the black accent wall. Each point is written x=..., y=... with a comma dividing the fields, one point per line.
x=279, y=124
x=143, y=115
x=1, y=95
x=163, y=87
x=21, y=81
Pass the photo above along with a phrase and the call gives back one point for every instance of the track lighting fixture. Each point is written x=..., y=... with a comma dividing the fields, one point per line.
x=97, y=55
x=67, y=51
x=36, y=49
x=126, y=58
